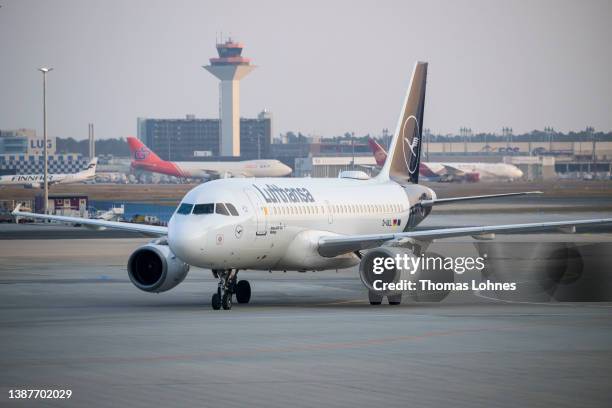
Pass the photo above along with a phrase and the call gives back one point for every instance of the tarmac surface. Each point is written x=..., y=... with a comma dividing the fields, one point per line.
x=71, y=319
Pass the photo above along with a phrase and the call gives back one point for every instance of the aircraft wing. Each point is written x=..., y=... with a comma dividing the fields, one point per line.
x=337, y=245
x=124, y=226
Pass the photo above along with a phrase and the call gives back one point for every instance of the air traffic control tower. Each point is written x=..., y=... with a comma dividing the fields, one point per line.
x=230, y=68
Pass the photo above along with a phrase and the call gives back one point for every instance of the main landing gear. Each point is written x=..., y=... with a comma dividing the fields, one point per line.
x=228, y=286
x=376, y=298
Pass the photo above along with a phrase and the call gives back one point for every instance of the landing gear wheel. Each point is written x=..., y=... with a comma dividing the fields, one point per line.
x=395, y=299
x=216, y=301
x=374, y=298
x=243, y=291
x=226, y=301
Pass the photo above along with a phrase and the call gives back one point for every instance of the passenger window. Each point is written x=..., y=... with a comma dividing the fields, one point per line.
x=203, y=209
x=184, y=209
x=231, y=209
x=220, y=209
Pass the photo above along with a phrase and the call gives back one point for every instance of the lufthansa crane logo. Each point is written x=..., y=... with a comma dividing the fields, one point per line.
x=238, y=231
x=411, y=146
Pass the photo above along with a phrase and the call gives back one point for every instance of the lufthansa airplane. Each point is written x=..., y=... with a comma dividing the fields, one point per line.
x=302, y=224
x=37, y=180
x=145, y=159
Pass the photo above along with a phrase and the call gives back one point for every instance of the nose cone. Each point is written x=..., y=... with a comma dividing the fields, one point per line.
x=186, y=239
x=284, y=169
x=518, y=173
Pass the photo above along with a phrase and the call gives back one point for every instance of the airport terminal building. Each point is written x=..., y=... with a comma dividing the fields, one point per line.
x=194, y=138
x=21, y=152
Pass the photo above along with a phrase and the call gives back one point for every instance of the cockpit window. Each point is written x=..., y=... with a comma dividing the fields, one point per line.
x=203, y=209
x=184, y=209
x=231, y=209
x=220, y=209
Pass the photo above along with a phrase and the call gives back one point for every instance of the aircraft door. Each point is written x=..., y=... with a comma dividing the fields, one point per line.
x=260, y=213
x=330, y=212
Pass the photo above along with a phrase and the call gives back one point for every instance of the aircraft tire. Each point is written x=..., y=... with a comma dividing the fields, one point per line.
x=243, y=291
x=226, y=301
x=374, y=298
x=216, y=301
x=395, y=299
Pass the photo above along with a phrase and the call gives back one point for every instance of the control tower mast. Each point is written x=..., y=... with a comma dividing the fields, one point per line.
x=230, y=67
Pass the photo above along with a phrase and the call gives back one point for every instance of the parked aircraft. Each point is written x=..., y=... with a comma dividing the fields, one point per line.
x=145, y=159
x=37, y=180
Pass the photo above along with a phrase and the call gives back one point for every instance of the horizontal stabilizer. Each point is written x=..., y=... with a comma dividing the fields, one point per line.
x=438, y=201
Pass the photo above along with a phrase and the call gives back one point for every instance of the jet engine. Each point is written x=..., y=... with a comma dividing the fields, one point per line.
x=550, y=271
x=391, y=274
x=154, y=268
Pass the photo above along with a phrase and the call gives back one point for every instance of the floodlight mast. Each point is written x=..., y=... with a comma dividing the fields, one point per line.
x=45, y=71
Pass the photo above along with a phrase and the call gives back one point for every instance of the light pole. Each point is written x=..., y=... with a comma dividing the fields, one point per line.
x=45, y=71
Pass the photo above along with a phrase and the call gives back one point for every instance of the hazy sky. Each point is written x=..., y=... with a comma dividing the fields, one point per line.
x=324, y=67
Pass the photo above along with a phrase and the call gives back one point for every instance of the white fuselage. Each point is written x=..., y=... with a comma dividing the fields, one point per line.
x=245, y=168
x=280, y=220
x=486, y=171
x=37, y=180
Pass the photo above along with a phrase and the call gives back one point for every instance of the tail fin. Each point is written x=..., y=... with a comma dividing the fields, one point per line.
x=379, y=152
x=402, y=164
x=140, y=153
x=90, y=170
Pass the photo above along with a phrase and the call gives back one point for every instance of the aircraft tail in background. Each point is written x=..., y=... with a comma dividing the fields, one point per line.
x=380, y=155
x=90, y=170
x=145, y=159
x=141, y=153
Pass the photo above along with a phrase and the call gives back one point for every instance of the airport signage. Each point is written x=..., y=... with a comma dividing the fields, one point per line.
x=36, y=146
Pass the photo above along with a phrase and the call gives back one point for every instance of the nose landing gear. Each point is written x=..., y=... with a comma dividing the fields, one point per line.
x=227, y=287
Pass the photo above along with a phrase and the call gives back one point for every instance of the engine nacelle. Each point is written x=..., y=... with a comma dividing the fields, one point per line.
x=434, y=274
x=155, y=268
x=374, y=281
